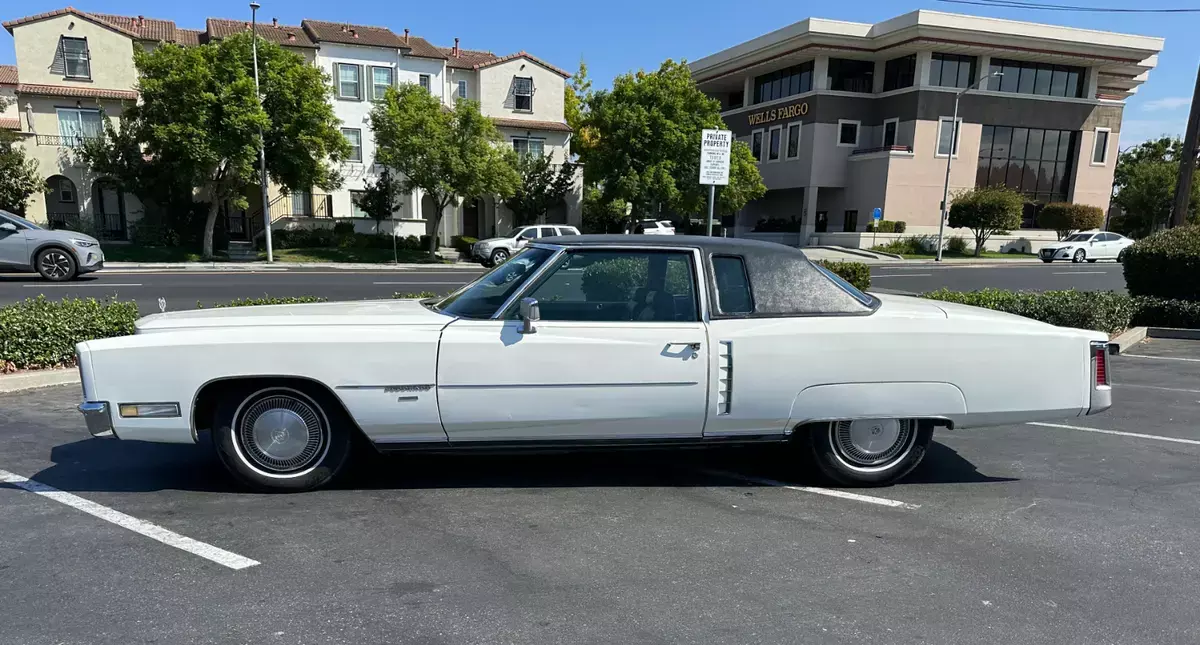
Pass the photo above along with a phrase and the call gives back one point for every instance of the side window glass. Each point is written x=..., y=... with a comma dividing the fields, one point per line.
x=620, y=286
x=548, y=231
x=529, y=233
x=733, y=285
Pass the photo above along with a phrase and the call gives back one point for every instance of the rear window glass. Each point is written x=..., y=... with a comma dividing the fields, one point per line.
x=733, y=285
x=845, y=286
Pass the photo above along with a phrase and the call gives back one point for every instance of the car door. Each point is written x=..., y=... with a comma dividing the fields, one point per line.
x=525, y=235
x=14, y=248
x=620, y=353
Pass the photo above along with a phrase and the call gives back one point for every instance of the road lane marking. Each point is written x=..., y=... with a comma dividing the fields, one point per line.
x=828, y=492
x=1164, y=358
x=74, y=285
x=417, y=282
x=902, y=275
x=141, y=527
x=1119, y=433
x=1081, y=273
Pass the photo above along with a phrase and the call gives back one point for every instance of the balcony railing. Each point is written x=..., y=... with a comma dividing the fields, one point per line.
x=61, y=141
x=865, y=151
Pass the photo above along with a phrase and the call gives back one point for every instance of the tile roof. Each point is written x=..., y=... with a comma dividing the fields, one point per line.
x=522, y=54
x=68, y=11
x=421, y=48
x=76, y=91
x=287, y=35
x=8, y=74
x=340, y=32
x=153, y=29
x=10, y=123
x=467, y=58
x=525, y=124
x=190, y=37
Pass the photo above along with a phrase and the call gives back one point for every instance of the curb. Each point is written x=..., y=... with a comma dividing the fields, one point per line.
x=281, y=267
x=1135, y=335
x=1172, y=332
x=1128, y=338
x=37, y=379
x=874, y=255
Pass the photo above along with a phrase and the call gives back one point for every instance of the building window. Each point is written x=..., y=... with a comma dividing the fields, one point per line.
x=951, y=70
x=1034, y=162
x=847, y=75
x=76, y=59
x=66, y=191
x=1100, y=147
x=423, y=80
x=774, y=142
x=756, y=141
x=76, y=123
x=354, y=138
x=899, y=72
x=850, y=222
x=793, y=141
x=381, y=80
x=523, y=93
x=349, y=81
x=848, y=133
x=785, y=82
x=462, y=89
x=945, y=132
x=1038, y=78
x=889, y=132
x=736, y=100
x=355, y=209
x=531, y=147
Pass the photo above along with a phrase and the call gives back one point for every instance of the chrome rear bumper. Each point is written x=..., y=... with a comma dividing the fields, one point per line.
x=98, y=418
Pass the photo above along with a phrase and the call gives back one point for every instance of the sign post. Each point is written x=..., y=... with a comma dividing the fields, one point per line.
x=715, y=146
x=876, y=217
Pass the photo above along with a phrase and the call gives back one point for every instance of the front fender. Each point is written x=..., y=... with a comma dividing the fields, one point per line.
x=911, y=400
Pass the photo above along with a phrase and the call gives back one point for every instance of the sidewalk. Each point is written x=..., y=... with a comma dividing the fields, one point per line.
x=284, y=266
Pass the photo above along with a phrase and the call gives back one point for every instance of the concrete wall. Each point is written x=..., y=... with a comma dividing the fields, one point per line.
x=39, y=62
x=1092, y=183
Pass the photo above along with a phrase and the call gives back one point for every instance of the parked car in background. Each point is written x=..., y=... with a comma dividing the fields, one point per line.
x=56, y=255
x=497, y=250
x=1087, y=246
x=593, y=341
x=653, y=227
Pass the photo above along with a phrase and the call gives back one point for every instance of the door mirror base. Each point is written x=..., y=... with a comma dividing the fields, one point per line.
x=8, y=227
x=530, y=314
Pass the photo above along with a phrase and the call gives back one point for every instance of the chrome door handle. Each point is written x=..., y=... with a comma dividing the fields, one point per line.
x=695, y=347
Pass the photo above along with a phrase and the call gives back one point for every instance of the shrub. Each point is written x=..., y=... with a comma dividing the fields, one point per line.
x=987, y=212
x=343, y=228
x=914, y=245
x=463, y=243
x=420, y=295
x=269, y=300
x=1106, y=311
x=1159, y=312
x=41, y=333
x=856, y=273
x=424, y=243
x=1165, y=264
x=412, y=243
x=616, y=279
x=956, y=244
x=887, y=226
x=1066, y=218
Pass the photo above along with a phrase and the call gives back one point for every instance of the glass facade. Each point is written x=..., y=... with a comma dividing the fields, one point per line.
x=846, y=75
x=785, y=82
x=1035, y=162
x=899, y=72
x=1037, y=78
x=951, y=70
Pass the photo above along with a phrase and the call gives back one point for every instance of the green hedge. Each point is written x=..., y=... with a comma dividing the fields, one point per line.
x=463, y=244
x=616, y=279
x=341, y=236
x=1165, y=264
x=887, y=226
x=1066, y=218
x=856, y=273
x=1159, y=312
x=40, y=333
x=1106, y=311
x=269, y=300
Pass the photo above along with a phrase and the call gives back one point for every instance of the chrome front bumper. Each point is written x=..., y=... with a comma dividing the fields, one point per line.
x=98, y=418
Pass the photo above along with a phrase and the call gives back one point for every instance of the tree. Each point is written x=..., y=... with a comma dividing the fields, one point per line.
x=1066, y=218
x=198, y=121
x=1145, y=180
x=647, y=150
x=542, y=187
x=448, y=154
x=381, y=198
x=601, y=215
x=577, y=91
x=986, y=211
x=19, y=177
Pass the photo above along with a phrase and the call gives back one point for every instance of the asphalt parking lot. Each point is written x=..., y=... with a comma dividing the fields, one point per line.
x=1083, y=530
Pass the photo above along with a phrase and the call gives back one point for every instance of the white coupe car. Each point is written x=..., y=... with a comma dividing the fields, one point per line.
x=1087, y=246
x=592, y=341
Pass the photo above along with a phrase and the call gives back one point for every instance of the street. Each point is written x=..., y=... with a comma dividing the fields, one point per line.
x=1080, y=530
x=184, y=289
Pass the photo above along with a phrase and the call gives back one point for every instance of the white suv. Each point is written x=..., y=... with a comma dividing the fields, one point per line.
x=651, y=227
x=497, y=250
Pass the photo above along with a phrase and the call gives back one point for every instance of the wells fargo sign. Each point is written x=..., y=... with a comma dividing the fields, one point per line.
x=775, y=114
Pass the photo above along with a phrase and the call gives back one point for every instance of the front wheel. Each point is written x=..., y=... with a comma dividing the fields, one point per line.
x=55, y=265
x=280, y=439
x=869, y=452
x=1079, y=256
x=499, y=256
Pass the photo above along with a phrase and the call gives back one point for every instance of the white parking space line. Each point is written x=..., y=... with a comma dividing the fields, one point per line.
x=1164, y=358
x=418, y=282
x=902, y=275
x=142, y=527
x=1119, y=433
x=1081, y=273
x=77, y=285
x=828, y=492
x=1159, y=387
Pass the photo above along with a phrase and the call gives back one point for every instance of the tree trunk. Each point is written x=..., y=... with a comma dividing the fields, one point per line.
x=979, y=240
x=433, y=235
x=209, y=224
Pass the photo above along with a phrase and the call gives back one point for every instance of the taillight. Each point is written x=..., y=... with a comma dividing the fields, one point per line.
x=1100, y=363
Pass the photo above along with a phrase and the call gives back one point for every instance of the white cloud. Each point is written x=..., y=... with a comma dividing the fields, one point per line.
x=1135, y=131
x=1168, y=103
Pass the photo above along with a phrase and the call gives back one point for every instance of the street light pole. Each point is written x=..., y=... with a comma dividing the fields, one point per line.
x=262, y=144
x=950, y=157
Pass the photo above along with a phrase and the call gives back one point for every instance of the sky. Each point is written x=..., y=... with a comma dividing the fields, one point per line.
x=618, y=36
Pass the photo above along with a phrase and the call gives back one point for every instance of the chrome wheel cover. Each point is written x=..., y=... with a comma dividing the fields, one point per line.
x=872, y=444
x=282, y=434
x=55, y=264
x=499, y=257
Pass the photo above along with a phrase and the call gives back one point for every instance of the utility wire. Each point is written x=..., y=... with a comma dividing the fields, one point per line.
x=1016, y=4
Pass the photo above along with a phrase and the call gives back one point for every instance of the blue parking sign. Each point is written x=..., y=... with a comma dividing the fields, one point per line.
x=877, y=214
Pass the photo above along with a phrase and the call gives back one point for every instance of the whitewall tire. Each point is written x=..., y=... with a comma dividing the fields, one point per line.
x=869, y=452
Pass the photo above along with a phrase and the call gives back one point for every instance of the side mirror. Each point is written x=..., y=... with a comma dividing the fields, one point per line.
x=8, y=227
x=530, y=313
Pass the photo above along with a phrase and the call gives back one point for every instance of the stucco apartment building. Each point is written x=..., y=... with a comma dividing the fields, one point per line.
x=74, y=67
x=848, y=117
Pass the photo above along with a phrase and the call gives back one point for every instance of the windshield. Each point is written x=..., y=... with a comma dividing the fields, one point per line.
x=6, y=216
x=485, y=296
x=1079, y=237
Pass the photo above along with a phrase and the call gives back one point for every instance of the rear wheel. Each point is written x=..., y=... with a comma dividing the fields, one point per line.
x=1121, y=257
x=1091, y=260
x=55, y=264
x=281, y=439
x=869, y=452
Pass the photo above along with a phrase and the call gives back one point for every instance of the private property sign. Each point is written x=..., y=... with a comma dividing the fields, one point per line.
x=714, y=157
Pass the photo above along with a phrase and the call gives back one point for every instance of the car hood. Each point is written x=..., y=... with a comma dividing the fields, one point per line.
x=895, y=306
x=493, y=240
x=371, y=312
